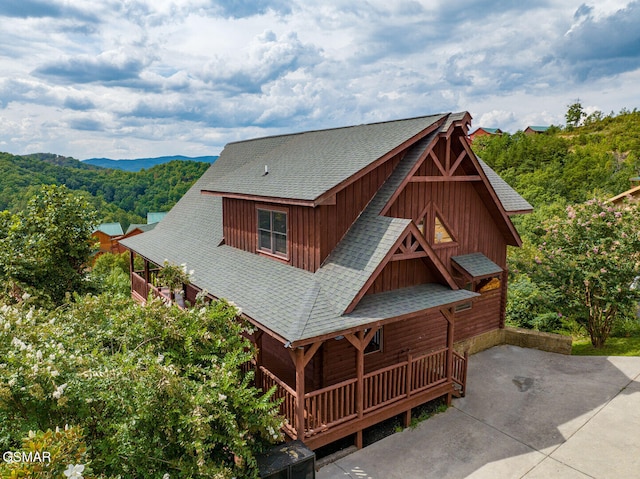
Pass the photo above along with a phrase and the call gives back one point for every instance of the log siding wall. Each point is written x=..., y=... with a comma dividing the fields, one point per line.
x=415, y=336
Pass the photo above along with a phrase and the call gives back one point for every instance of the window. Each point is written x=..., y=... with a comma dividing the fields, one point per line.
x=376, y=342
x=441, y=235
x=272, y=232
x=463, y=307
x=488, y=284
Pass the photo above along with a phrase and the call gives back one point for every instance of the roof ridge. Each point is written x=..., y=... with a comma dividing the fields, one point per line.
x=282, y=135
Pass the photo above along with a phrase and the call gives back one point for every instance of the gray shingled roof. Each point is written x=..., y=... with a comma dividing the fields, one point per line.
x=477, y=264
x=293, y=303
x=510, y=199
x=306, y=165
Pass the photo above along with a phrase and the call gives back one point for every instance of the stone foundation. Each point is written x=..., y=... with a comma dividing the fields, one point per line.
x=525, y=338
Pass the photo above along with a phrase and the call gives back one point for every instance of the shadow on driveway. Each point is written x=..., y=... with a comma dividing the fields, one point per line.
x=527, y=414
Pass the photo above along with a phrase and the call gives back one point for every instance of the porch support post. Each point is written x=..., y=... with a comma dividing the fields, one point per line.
x=299, y=360
x=257, y=337
x=360, y=385
x=449, y=315
x=147, y=279
x=360, y=341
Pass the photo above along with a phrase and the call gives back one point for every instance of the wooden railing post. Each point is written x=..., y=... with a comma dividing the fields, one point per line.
x=409, y=374
x=147, y=279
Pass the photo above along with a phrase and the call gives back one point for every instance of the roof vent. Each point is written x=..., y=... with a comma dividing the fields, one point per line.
x=266, y=170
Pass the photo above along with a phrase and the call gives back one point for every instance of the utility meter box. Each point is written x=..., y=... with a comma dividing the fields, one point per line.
x=292, y=460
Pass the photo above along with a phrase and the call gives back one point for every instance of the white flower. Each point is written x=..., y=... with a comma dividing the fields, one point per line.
x=165, y=476
x=160, y=358
x=57, y=394
x=25, y=296
x=222, y=397
x=39, y=355
x=74, y=472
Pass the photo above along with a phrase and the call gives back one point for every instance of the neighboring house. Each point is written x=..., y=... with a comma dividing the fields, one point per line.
x=484, y=132
x=137, y=228
x=155, y=217
x=108, y=235
x=534, y=130
x=360, y=254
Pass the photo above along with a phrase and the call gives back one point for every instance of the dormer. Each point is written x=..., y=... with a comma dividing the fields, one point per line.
x=293, y=197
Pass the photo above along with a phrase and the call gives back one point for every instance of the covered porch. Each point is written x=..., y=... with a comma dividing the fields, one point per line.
x=321, y=416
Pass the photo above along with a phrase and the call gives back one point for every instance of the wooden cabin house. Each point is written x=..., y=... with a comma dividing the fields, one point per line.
x=108, y=235
x=479, y=132
x=360, y=254
x=535, y=130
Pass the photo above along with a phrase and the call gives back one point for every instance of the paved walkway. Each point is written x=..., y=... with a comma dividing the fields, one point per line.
x=528, y=414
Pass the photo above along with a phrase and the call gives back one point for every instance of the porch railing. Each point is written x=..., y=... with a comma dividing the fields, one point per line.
x=284, y=392
x=330, y=406
x=428, y=370
x=139, y=285
x=459, y=372
x=337, y=404
x=385, y=386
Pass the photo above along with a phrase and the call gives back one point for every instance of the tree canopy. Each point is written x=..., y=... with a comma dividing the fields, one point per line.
x=45, y=249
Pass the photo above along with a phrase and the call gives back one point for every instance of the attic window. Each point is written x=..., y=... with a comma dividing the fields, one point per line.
x=441, y=234
x=272, y=232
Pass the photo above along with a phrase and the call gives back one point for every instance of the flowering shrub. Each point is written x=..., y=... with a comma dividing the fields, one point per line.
x=156, y=390
x=64, y=450
x=591, y=258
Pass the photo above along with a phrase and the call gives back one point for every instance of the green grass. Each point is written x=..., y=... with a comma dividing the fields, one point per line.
x=612, y=347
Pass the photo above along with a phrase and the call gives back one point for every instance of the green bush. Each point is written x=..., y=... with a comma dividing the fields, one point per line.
x=156, y=389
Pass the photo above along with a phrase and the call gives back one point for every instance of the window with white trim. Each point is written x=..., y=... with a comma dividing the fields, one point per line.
x=272, y=232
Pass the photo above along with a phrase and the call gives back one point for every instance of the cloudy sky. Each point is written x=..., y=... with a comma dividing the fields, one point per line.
x=140, y=78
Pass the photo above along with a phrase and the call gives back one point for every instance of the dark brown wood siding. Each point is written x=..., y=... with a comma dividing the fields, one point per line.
x=461, y=207
x=336, y=219
x=483, y=316
x=416, y=336
x=401, y=274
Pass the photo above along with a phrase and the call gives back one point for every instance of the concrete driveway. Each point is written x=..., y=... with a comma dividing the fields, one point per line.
x=528, y=414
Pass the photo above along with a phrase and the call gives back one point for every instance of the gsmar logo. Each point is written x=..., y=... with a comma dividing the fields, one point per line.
x=20, y=456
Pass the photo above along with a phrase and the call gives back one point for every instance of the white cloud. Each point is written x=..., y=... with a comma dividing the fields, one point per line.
x=143, y=78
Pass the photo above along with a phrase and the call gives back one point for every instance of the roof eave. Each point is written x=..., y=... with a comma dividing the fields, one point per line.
x=264, y=199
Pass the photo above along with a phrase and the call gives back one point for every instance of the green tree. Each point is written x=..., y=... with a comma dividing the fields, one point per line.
x=590, y=259
x=574, y=114
x=45, y=249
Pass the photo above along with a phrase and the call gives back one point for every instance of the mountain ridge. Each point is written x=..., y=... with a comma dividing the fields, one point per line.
x=137, y=164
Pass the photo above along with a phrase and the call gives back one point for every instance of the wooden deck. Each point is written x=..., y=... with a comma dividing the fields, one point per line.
x=140, y=290
x=337, y=411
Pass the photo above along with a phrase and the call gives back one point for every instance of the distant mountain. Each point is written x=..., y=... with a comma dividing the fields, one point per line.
x=144, y=163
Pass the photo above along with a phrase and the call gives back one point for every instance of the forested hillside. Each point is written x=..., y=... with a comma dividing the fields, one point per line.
x=565, y=166
x=118, y=195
